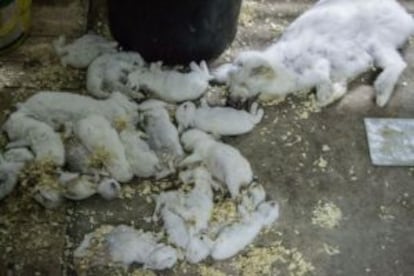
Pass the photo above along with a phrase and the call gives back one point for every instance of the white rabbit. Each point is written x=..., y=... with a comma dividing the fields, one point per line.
x=109, y=188
x=81, y=52
x=195, y=206
x=23, y=130
x=78, y=187
x=109, y=73
x=223, y=161
x=235, y=237
x=217, y=120
x=170, y=85
x=126, y=245
x=48, y=197
x=18, y=155
x=162, y=135
x=253, y=196
x=196, y=246
x=185, y=215
x=326, y=47
x=64, y=109
x=143, y=161
x=95, y=132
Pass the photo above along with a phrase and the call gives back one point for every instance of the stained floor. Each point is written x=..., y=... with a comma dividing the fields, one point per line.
x=339, y=214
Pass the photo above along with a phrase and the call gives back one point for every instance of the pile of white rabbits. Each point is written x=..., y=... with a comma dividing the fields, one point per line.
x=325, y=48
x=140, y=140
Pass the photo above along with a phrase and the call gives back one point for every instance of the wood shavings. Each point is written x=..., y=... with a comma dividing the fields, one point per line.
x=56, y=77
x=120, y=124
x=142, y=272
x=306, y=107
x=147, y=188
x=261, y=260
x=216, y=95
x=326, y=215
x=128, y=192
x=331, y=250
x=271, y=101
x=205, y=270
x=41, y=173
x=321, y=163
x=99, y=157
x=96, y=248
x=224, y=212
x=247, y=13
x=326, y=148
x=385, y=214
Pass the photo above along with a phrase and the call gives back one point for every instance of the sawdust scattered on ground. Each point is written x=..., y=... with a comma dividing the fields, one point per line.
x=205, y=270
x=331, y=250
x=275, y=257
x=326, y=215
x=96, y=252
x=248, y=13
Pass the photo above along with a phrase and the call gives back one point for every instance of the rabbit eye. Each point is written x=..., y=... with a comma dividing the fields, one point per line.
x=113, y=185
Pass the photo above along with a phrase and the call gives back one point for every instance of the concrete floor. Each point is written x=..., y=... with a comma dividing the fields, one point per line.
x=301, y=156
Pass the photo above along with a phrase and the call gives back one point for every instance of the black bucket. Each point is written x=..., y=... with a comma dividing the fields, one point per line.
x=174, y=31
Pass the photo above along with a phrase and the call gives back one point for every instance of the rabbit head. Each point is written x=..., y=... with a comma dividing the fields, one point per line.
x=161, y=257
x=250, y=73
x=193, y=136
x=184, y=115
x=109, y=188
x=255, y=72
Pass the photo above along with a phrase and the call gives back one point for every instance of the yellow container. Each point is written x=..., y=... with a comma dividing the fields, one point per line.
x=14, y=22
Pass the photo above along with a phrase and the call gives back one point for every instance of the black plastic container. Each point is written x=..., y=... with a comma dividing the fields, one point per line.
x=174, y=31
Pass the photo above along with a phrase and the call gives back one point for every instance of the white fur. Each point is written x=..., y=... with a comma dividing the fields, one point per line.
x=235, y=237
x=326, y=47
x=96, y=132
x=18, y=155
x=223, y=161
x=196, y=206
x=170, y=85
x=143, y=161
x=186, y=215
x=41, y=138
x=198, y=249
x=81, y=52
x=162, y=135
x=217, y=120
x=109, y=73
x=127, y=245
x=176, y=228
x=109, y=188
x=253, y=196
x=77, y=187
x=48, y=197
x=63, y=108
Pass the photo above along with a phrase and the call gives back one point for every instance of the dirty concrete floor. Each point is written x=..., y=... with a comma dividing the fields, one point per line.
x=302, y=157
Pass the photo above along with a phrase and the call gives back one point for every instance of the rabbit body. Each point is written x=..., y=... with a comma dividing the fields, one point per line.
x=326, y=47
